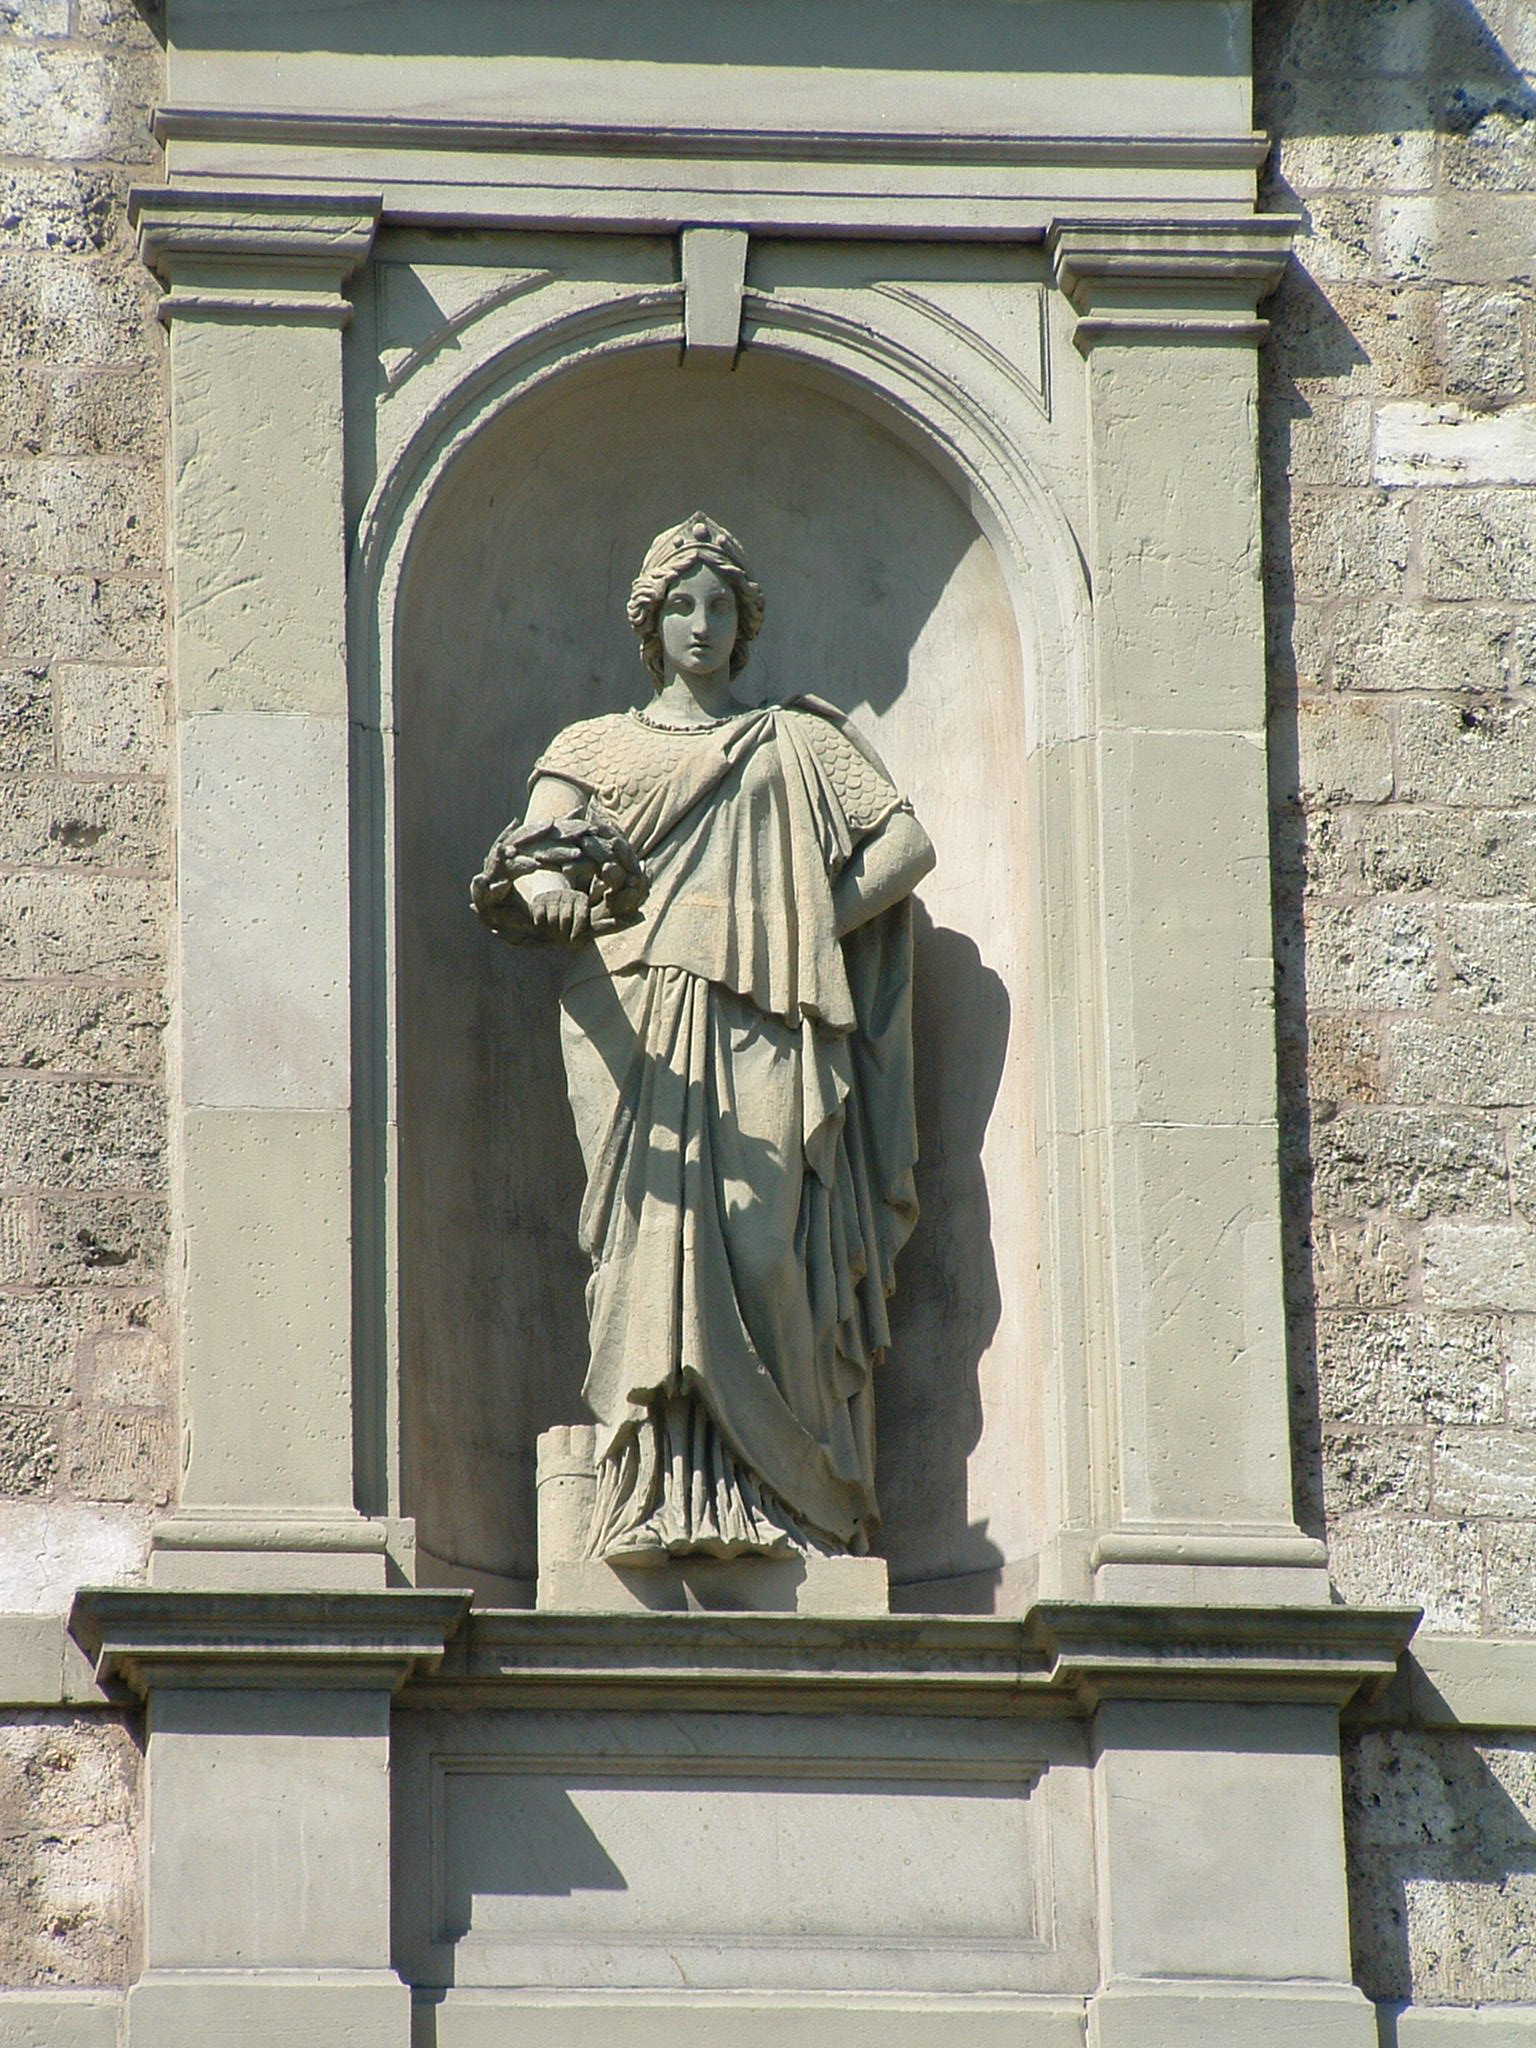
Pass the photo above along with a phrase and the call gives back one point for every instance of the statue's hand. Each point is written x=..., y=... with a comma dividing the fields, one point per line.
x=560, y=913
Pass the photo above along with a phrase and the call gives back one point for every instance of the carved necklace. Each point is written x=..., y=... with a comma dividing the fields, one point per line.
x=689, y=725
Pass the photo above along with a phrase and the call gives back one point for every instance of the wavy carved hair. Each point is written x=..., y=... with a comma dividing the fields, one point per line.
x=672, y=554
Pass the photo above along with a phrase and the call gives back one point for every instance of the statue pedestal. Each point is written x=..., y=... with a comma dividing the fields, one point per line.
x=571, y=1582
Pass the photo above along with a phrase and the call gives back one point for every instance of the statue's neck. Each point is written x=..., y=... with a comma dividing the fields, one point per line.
x=685, y=700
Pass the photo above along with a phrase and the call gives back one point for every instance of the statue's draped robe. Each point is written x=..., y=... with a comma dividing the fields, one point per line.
x=741, y=1081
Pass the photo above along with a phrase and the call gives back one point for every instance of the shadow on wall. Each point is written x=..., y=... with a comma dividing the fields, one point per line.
x=960, y=1019
x=1397, y=71
x=881, y=596
x=1442, y=1868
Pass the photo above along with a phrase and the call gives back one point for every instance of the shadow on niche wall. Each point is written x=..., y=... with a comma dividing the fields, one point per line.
x=881, y=596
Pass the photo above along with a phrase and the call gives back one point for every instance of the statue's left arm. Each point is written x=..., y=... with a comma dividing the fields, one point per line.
x=884, y=868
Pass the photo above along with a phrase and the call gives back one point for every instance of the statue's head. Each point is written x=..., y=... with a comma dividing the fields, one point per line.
x=675, y=557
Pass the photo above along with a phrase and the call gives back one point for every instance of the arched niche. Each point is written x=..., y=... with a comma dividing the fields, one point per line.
x=885, y=596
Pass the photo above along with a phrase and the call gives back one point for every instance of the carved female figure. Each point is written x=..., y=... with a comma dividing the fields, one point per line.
x=733, y=882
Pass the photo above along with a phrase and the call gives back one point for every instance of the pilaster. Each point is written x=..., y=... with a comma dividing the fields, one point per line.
x=267, y=1901
x=261, y=1061
x=1194, y=1415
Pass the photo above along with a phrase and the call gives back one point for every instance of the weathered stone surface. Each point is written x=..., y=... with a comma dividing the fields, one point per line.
x=35, y=19
x=1444, y=1910
x=1352, y=134
x=113, y=1344
x=114, y=21
x=69, y=1814
x=1394, y=647
x=1345, y=752
x=1336, y=244
x=76, y=104
x=1485, y=1472
x=59, y=823
x=29, y=1452
x=76, y=513
x=1392, y=847
x=1325, y=442
x=1362, y=1263
x=1482, y=341
x=26, y=720
x=1479, y=751
x=1476, y=543
x=1411, y=1562
x=1491, y=948
x=1366, y=956
x=82, y=1028
x=1522, y=1163
x=1457, y=238
x=111, y=720
x=1354, y=544
x=1509, y=1581
x=82, y=618
x=80, y=1134
x=126, y=1454
x=1490, y=139
x=1480, y=1266
x=1343, y=1062
x=130, y=1363
x=1408, y=1368
x=1374, y=1471
x=1369, y=340
x=1446, y=1164
x=57, y=307
x=80, y=924
x=1445, y=444
x=1486, y=1061
x=100, y=1240
x=18, y=1241
x=72, y=208
x=106, y=412
x=23, y=415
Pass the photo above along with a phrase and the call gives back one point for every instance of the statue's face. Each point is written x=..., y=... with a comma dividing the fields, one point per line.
x=699, y=623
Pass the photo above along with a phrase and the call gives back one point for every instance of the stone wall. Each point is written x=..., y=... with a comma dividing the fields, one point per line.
x=1400, y=461
x=86, y=1415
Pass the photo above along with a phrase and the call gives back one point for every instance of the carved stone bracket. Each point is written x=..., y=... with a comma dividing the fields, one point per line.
x=274, y=256
x=1196, y=280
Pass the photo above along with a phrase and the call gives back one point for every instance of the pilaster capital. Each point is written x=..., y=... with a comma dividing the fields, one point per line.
x=1170, y=280
x=280, y=256
x=143, y=1637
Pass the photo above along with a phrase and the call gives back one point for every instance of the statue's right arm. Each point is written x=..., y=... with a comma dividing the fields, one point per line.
x=556, y=907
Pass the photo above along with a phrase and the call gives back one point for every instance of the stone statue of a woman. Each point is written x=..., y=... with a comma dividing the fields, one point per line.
x=733, y=883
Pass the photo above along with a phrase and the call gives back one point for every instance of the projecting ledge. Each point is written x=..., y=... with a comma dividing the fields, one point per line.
x=144, y=1637
x=1063, y=1658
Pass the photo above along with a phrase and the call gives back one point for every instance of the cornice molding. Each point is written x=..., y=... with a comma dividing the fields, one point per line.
x=274, y=256
x=1064, y=1658
x=1170, y=280
x=1245, y=151
x=142, y=1637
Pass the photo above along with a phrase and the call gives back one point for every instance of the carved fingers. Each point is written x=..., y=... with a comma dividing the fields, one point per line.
x=561, y=913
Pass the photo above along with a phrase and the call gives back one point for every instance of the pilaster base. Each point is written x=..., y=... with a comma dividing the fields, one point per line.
x=269, y=2009
x=269, y=1550
x=1223, y=2013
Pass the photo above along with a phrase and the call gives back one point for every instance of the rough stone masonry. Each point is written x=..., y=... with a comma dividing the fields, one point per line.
x=1399, y=434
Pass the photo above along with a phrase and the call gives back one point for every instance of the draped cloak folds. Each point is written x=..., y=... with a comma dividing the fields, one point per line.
x=741, y=1081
